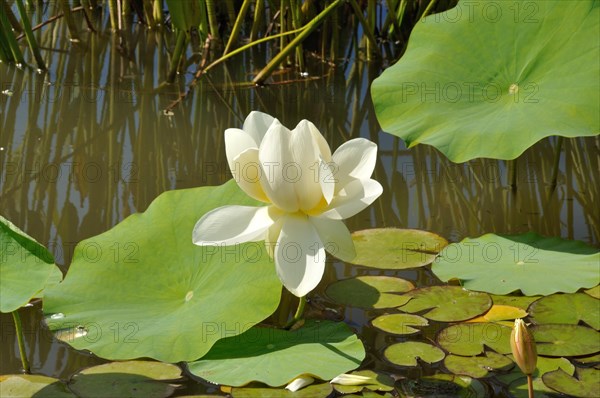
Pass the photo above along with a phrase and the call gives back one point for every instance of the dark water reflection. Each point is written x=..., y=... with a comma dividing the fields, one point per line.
x=86, y=145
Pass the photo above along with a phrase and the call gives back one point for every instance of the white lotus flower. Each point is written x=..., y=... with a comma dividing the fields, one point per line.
x=307, y=191
x=299, y=382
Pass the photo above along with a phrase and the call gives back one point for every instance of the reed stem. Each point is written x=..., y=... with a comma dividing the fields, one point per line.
x=306, y=30
x=33, y=45
x=555, y=167
x=177, y=54
x=237, y=26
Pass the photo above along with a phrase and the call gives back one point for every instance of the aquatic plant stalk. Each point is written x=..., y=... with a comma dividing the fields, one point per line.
x=299, y=312
x=21, y=341
x=71, y=24
x=10, y=39
x=558, y=150
x=259, y=10
x=212, y=19
x=366, y=27
x=33, y=45
x=237, y=26
x=177, y=54
x=307, y=30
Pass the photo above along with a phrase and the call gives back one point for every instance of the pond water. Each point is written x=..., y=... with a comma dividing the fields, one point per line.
x=87, y=144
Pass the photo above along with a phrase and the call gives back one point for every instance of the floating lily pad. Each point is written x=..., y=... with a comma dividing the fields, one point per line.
x=378, y=382
x=18, y=386
x=312, y=391
x=443, y=384
x=517, y=381
x=470, y=339
x=393, y=248
x=594, y=292
x=500, y=313
x=478, y=366
x=143, y=289
x=447, y=303
x=521, y=302
x=530, y=71
x=529, y=262
x=592, y=359
x=586, y=382
x=565, y=340
x=276, y=357
x=142, y=379
x=370, y=291
x=407, y=353
x=567, y=309
x=399, y=323
x=26, y=266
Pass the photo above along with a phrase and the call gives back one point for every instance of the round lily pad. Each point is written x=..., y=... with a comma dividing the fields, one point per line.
x=26, y=266
x=567, y=309
x=499, y=313
x=565, y=340
x=447, y=303
x=399, y=323
x=443, y=384
x=407, y=353
x=370, y=291
x=18, y=386
x=470, y=339
x=530, y=262
x=393, y=248
x=478, y=366
x=142, y=379
x=143, y=289
x=276, y=357
x=592, y=359
x=586, y=382
x=520, y=73
x=378, y=382
x=521, y=302
x=517, y=381
x=312, y=391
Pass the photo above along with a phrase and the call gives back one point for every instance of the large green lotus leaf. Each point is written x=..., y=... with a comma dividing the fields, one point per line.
x=276, y=357
x=312, y=391
x=370, y=291
x=470, y=339
x=26, y=267
x=529, y=262
x=585, y=384
x=142, y=289
x=489, y=79
x=517, y=381
x=567, y=308
x=393, y=248
x=447, y=303
x=565, y=340
x=455, y=386
x=143, y=379
x=478, y=366
x=407, y=353
x=19, y=386
x=399, y=323
x=378, y=382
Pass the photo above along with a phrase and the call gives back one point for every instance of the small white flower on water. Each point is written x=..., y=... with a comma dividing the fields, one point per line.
x=299, y=382
x=307, y=192
x=346, y=379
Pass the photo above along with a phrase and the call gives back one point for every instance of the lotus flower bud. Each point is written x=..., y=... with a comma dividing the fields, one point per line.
x=299, y=382
x=523, y=347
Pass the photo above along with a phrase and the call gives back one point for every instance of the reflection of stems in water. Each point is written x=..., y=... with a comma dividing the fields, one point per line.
x=513, y=173
x=20, y=339
x=559, y=144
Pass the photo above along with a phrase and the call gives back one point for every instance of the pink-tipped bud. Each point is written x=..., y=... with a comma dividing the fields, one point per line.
x=523, y=347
